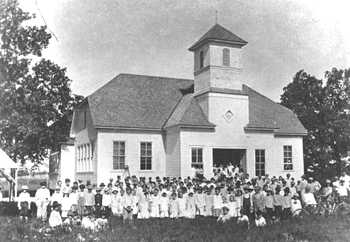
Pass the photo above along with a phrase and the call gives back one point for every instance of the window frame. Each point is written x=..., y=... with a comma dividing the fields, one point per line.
x=198, y=164
x=226, y=57
x=260, y=161
x=148, y=158
x=201, y=59
x=288, y=158
x=116, y=157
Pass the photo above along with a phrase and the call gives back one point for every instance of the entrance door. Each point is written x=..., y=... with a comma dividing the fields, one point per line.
x=223, y=157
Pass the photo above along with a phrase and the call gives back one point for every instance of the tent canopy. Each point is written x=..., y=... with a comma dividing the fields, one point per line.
x=5, y=161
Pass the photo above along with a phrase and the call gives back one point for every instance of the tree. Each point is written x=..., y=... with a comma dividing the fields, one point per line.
x=321, y=107
x=34, y=92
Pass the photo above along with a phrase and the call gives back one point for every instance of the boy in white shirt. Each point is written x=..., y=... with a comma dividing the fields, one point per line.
x=343, y=190
x=260, y=220
x=107, y=202
x=23, y=202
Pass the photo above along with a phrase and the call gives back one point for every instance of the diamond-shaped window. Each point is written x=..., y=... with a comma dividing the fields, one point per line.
x=228, y=116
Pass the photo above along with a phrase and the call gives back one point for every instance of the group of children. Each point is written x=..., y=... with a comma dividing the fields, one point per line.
x=261, y=199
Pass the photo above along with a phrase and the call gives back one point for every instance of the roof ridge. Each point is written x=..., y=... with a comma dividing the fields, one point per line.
x=194, y=101
x=149, y=76
x=139, y=75
x=172, y=111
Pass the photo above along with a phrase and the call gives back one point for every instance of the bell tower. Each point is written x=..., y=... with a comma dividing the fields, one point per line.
x=217, y=61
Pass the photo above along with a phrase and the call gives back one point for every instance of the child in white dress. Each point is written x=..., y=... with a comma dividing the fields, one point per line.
x=155, y=204
x=200, y=202
x=55, y=219
x=164, y=206
x=66, y=205
x=173, y=206
x=115, y=203
x=143, y=206
x=190, y=206
x=232, y=206
x=181, y=201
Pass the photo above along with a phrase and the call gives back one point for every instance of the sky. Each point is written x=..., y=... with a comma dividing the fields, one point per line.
x=98, y=39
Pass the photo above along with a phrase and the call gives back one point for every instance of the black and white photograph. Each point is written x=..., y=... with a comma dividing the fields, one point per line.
x=175, y=120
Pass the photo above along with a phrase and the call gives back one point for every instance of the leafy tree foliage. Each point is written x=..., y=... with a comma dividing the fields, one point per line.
x=35, y=95
x=322, y=106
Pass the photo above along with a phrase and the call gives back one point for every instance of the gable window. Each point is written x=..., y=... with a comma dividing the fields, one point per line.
x=260, y=162
x=287, y=158
x=226, y=57
x=197, y=158
x=118, y=155
x=201, y=59
x=146, y=156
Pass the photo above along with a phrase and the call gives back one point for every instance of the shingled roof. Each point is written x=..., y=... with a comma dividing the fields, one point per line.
x=267, y=115
x=188, y=113
x=136, y=101
x=157, y=103
x=217, y=33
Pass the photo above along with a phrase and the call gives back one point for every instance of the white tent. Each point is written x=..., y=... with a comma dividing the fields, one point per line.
x=6, y=164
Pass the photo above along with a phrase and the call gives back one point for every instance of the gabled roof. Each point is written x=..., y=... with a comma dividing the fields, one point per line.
x=219, y=34
x=265, y=114
x=188, y=113
x=136, y=101
x=154, y=103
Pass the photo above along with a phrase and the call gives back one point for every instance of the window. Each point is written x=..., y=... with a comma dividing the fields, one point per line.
x=118, y=155
x=260, y=162
x=226, y=57
x=287, y=158
x=84, y=119
x=88, y=157
x=146, y=156
x=84, y=157
x=201, y=59
x=197, y=158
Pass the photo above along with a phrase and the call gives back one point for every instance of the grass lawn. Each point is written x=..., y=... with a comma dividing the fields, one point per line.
x=201, y=229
